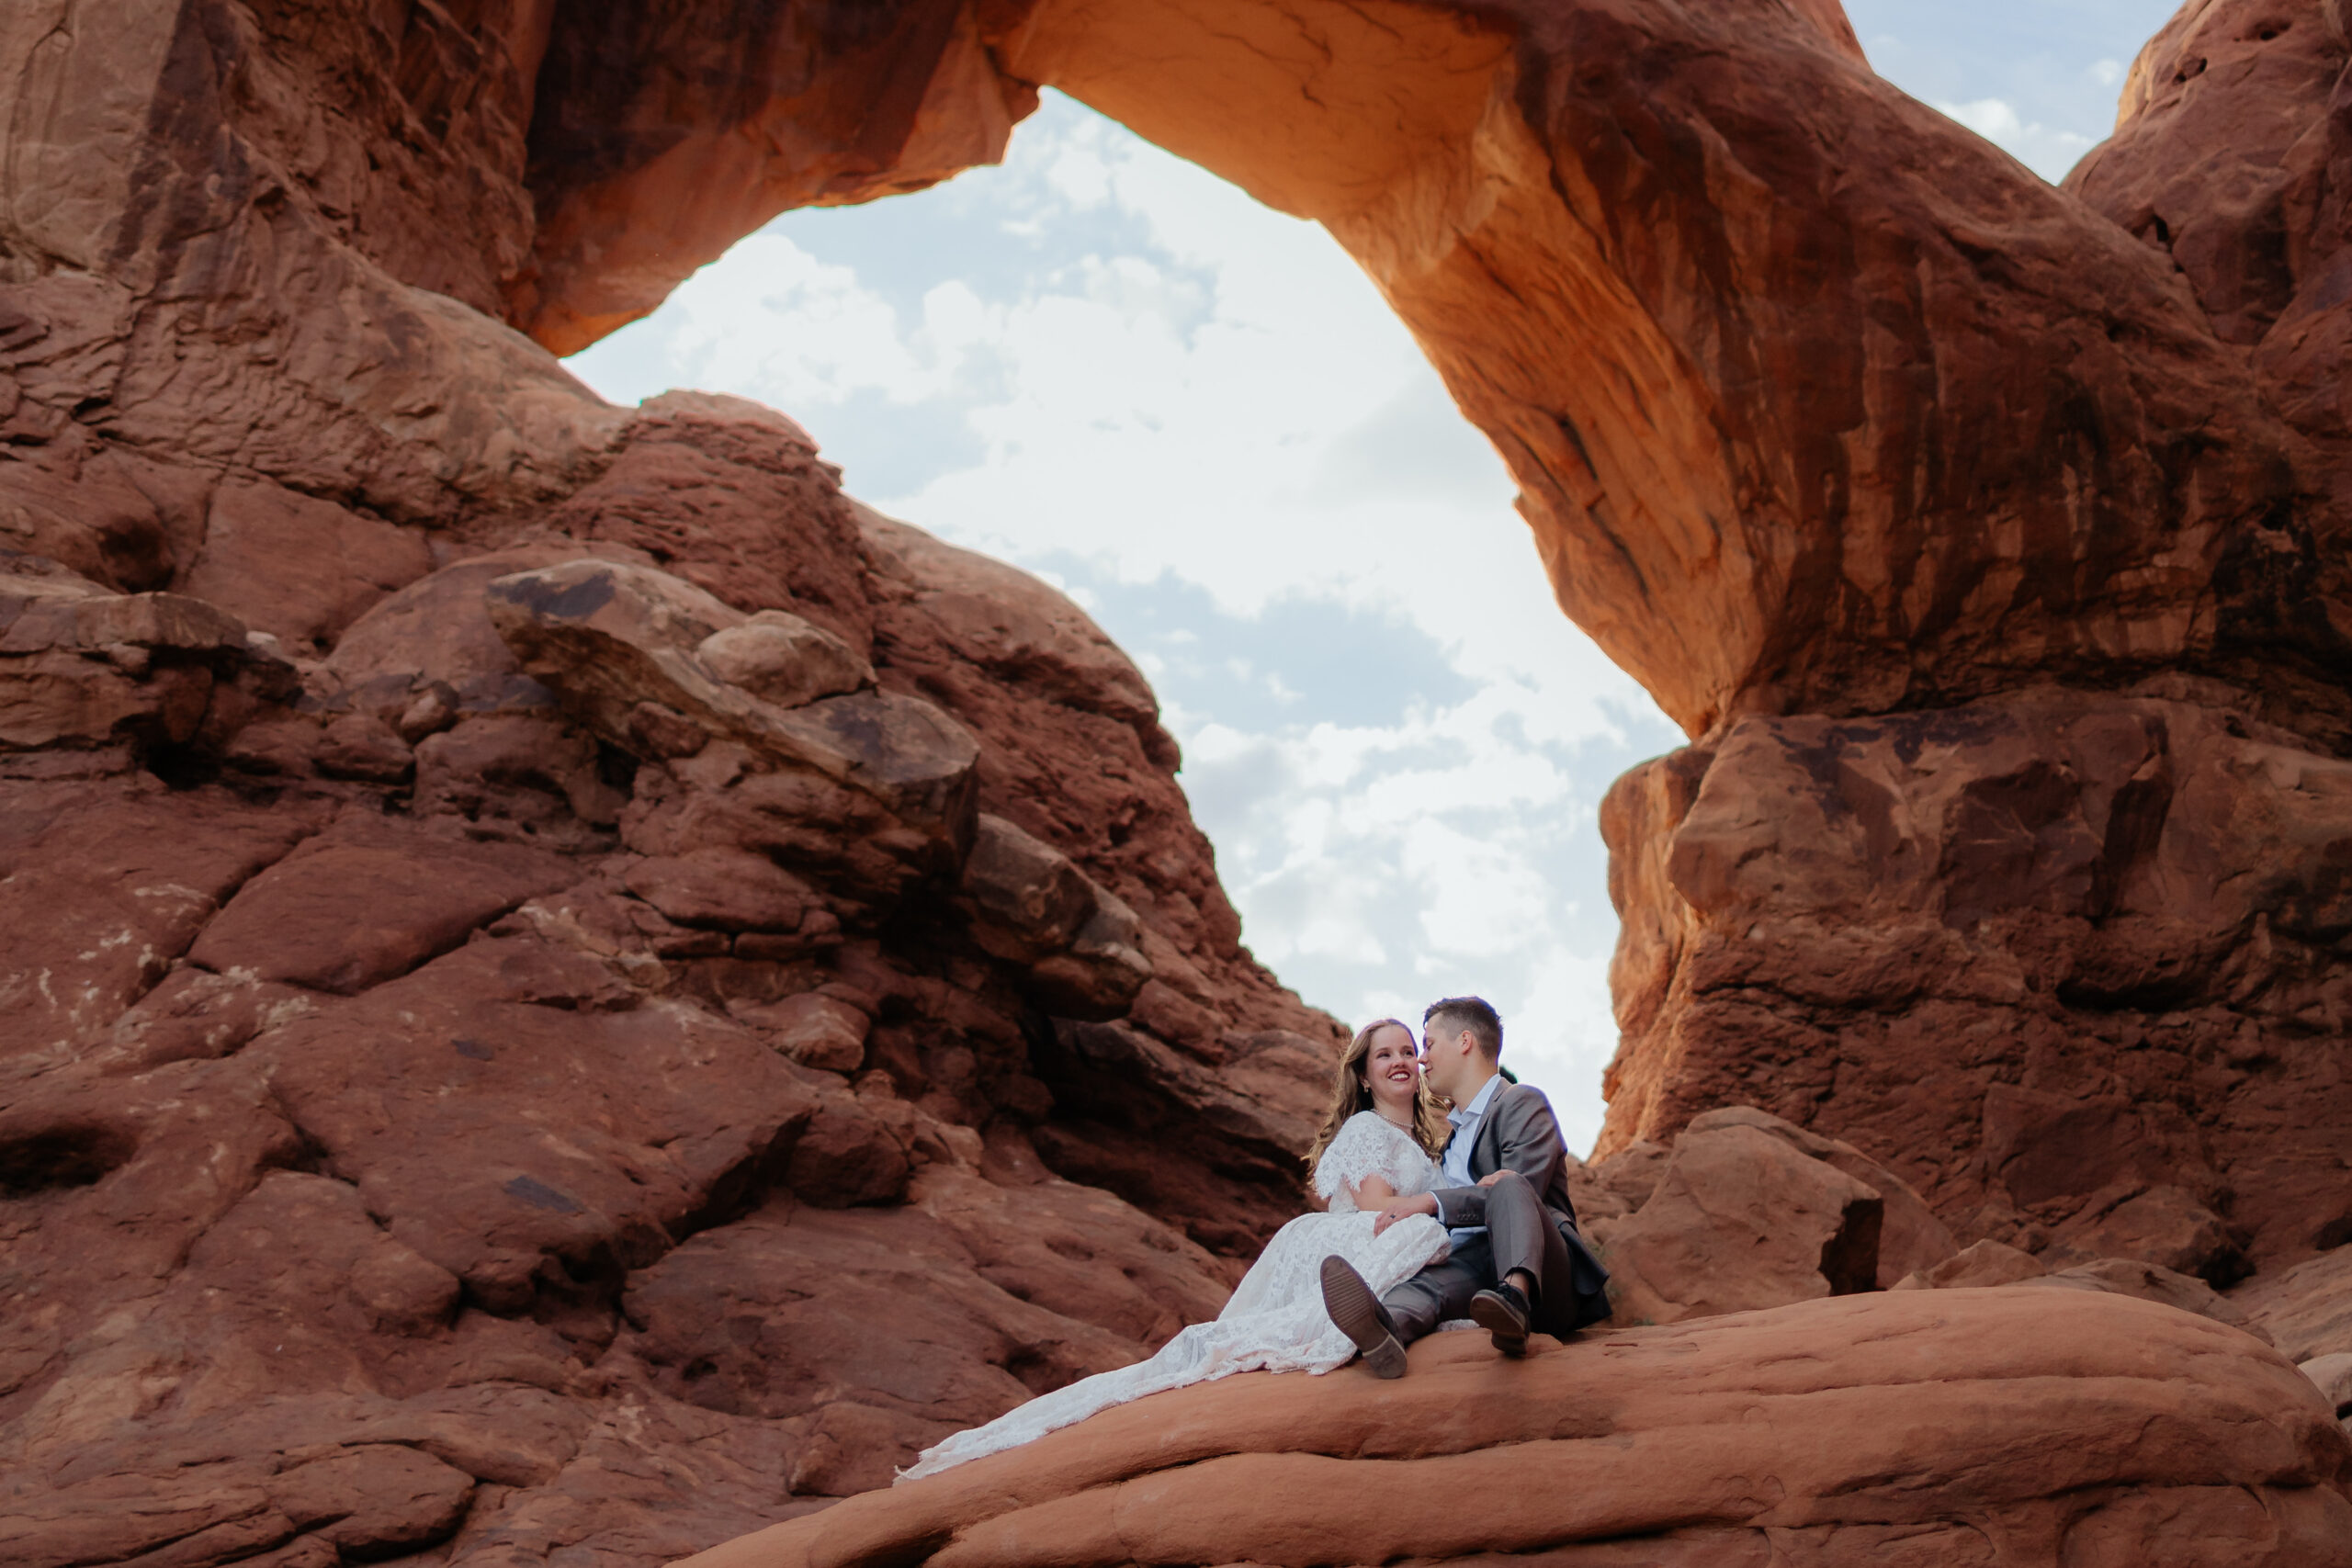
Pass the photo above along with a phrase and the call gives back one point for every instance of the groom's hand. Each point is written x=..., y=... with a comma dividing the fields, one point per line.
x=1404, y=1208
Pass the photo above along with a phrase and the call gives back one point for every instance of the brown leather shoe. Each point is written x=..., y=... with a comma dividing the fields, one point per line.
x=1359, y=1316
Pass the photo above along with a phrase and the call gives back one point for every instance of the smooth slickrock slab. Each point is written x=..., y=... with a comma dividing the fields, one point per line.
x=2017, y=1425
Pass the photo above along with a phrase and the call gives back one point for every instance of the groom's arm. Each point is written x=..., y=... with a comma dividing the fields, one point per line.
x=1527, y=1140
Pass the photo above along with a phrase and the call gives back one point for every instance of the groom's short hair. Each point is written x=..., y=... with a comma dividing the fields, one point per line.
x=1453, y=1014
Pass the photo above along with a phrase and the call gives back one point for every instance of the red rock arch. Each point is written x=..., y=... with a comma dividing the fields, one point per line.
x=1818, y=405
x=1816, y=402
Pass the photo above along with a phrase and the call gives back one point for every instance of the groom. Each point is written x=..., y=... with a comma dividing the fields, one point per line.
x=1517, y=1263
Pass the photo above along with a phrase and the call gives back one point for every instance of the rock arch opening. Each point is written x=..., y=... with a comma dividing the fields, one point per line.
x=1195, y=415
x=1816, y=404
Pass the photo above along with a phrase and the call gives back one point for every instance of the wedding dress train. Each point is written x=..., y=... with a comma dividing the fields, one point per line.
x=1276, y=1321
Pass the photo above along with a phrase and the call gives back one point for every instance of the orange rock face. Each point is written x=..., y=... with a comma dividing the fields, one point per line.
x=572, y=990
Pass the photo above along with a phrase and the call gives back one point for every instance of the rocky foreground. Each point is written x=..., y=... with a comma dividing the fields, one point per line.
x=1987, y=1425
x=570, y=993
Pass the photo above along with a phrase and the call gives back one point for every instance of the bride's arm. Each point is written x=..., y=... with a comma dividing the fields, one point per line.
x=1374, y=1192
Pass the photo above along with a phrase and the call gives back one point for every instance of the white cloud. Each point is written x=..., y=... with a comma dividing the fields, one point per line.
x=2049, y=152
x=2038, y=77
x=825, y=337
x=1989, y=118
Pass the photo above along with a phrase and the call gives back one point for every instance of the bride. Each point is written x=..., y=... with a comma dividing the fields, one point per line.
x=1378, y=1144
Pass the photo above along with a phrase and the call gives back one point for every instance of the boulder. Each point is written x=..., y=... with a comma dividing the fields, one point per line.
x=377, y=1500
x=782, y=659
x=82, y=667
x=2305, y=1310
x=437, y=632
x=1910, y=1235
x=1030, y=903
x=619, y=638
x=2331, y=1375
x=518, y=774
x=361, y=746
x=1824, y=1432
x=1979, y=1264
x=1741, y=1219
x=814, y=1030
x=853, y=1151
x=2164, y=1225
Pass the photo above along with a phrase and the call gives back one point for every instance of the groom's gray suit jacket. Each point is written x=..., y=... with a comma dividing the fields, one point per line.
x=1519, y=1132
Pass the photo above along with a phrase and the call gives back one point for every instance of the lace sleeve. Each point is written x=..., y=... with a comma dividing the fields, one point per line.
x=1366, y=1146
x=1353, y=1154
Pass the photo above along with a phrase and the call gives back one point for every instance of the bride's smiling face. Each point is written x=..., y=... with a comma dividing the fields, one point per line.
x=1392, y=1071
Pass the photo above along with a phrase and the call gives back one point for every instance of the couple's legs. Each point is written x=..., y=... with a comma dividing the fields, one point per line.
x=1519, y=1237
x=1526, y=1241
x=1441, y=1291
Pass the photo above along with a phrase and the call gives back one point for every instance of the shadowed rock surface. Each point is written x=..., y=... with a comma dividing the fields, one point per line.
x=570, y=990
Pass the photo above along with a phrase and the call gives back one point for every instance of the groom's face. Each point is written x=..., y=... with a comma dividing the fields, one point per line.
x=1442, y=1053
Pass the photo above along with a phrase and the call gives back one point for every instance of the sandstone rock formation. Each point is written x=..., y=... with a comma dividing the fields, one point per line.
x=2067, y=959
x=2065, y=954
x=1997, y=1426
x=1747, y=1212
x=572, y=990
x=598, y=1054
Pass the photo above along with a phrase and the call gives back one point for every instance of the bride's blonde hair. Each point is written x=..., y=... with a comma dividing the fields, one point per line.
x=1352, y=1092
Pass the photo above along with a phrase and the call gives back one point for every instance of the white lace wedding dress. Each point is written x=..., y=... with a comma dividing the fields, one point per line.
x=1276, y=1321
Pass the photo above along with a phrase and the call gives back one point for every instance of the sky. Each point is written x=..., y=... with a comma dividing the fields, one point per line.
x=1194, y=416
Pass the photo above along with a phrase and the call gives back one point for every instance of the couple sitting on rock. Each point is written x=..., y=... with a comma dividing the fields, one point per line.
x=1431, y=1216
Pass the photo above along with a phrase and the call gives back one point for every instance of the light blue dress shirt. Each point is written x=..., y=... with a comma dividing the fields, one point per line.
x=1454, y=1165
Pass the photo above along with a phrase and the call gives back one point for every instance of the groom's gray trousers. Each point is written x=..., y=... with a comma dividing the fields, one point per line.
x=1520, y=1234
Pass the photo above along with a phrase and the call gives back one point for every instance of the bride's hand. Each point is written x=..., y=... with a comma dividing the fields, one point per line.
x=1490, y=1179
x=1404, y=1208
